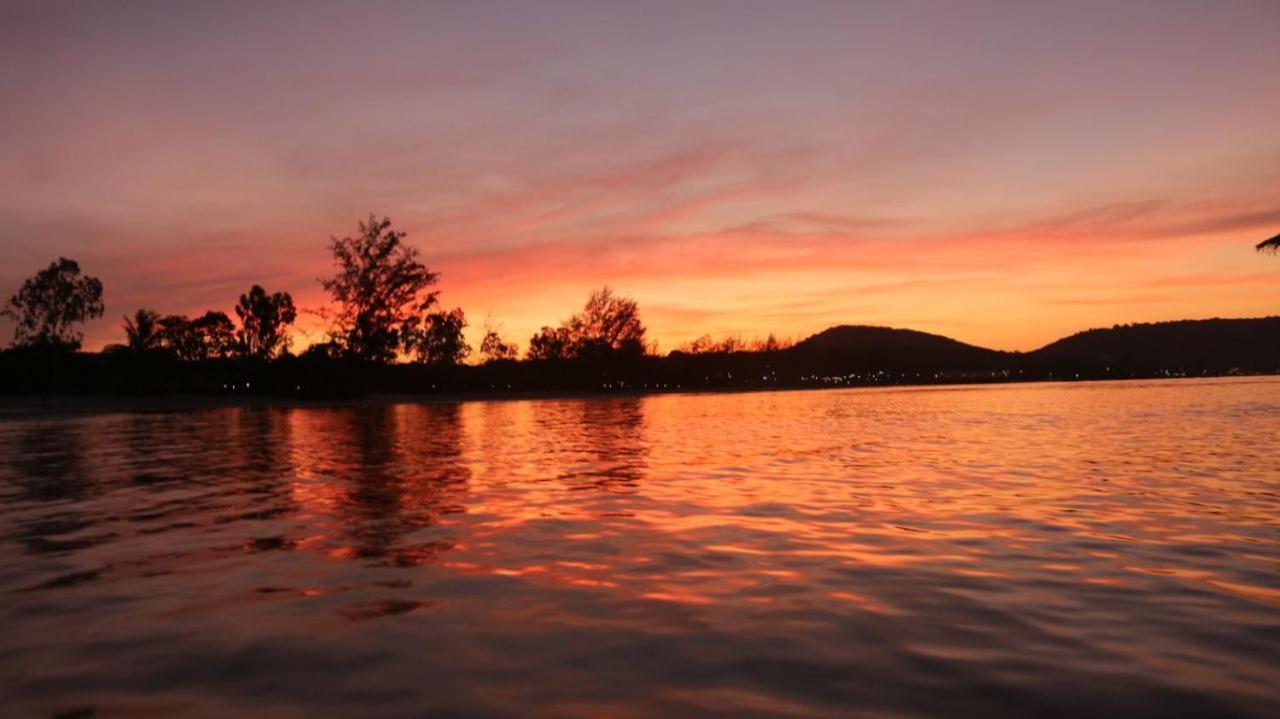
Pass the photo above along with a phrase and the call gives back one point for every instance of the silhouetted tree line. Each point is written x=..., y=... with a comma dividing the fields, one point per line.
x=388, y=333
x=706, y=344
x=262, y=334
x=385, y=309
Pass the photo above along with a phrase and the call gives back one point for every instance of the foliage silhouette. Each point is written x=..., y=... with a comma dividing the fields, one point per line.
x=264, y=321
x=706, y=344
x=176, y=336
x=211, y=335
x=440, y=340
x=608, y=324
x=327, y=350
x=550, y=343
x=215, y=334
x=1270, y=245
x=49, y=306
x=382, y=291
x=495, y=349
x=142, y=331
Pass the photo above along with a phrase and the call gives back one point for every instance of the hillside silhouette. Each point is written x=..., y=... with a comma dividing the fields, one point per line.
x=864, y=347
x=1193, y=346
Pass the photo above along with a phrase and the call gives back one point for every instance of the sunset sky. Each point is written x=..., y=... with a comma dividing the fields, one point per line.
x=1002, y=173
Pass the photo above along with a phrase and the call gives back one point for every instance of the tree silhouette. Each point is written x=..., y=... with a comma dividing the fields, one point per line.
x=216, y=334
x=211, y=335
x=707, y=345
x=264, y=321
x=142, y=331
x=382, y=291
x=328, y=350
x=47, y=308
x=177, y=336
x=550, y=343
x=493, y=348
x=608, y=324
x=440, y=341
x=1271, y=245
x=770, y=344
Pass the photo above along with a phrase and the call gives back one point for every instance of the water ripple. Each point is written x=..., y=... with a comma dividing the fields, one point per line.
x=1084, y=549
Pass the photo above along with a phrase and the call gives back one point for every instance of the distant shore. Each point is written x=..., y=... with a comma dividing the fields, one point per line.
x=842, y=356
x=25, y=407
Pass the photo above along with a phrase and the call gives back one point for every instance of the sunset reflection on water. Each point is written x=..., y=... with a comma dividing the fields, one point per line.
x=1068, y=549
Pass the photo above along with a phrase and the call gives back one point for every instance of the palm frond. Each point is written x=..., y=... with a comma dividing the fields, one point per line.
x=1272, y=245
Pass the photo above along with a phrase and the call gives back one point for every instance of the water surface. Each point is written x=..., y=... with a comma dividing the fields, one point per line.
x=1073, y=549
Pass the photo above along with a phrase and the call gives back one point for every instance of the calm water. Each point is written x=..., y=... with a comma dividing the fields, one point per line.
x=1037, y=550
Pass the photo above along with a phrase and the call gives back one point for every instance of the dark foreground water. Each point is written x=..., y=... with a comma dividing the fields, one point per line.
x=1089, y=549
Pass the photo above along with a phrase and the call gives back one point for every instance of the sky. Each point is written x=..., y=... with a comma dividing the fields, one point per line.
x=1004, y=173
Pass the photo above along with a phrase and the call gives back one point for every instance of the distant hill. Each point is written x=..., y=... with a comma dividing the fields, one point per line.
x=1215, y=345
x=862, y=347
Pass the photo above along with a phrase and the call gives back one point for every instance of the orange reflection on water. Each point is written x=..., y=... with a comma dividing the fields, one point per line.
x=494, y=484
x=739, y=538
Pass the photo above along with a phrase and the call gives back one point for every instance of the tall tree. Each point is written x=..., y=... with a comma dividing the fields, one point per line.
x=607, y=325
x=264, y=322
x=143, y=331
x=50, y=305
x=441, y=341
x=382, y=291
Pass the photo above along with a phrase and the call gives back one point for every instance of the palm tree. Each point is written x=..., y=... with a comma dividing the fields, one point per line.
x=1272, y=245
x=143, y=331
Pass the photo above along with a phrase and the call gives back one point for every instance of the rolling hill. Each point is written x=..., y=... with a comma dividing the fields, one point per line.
x=862, y=347
x=1212, y=346
x=1215, y=345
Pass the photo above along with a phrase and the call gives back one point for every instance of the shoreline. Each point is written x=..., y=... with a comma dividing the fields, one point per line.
x=26, y=407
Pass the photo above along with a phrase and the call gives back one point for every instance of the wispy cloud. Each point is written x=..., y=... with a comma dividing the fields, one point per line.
x=743, y=172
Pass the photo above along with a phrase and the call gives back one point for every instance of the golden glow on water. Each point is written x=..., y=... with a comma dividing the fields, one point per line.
x=987, y=550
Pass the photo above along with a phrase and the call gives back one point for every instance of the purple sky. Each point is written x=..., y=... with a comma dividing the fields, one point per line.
x=1003, y=173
